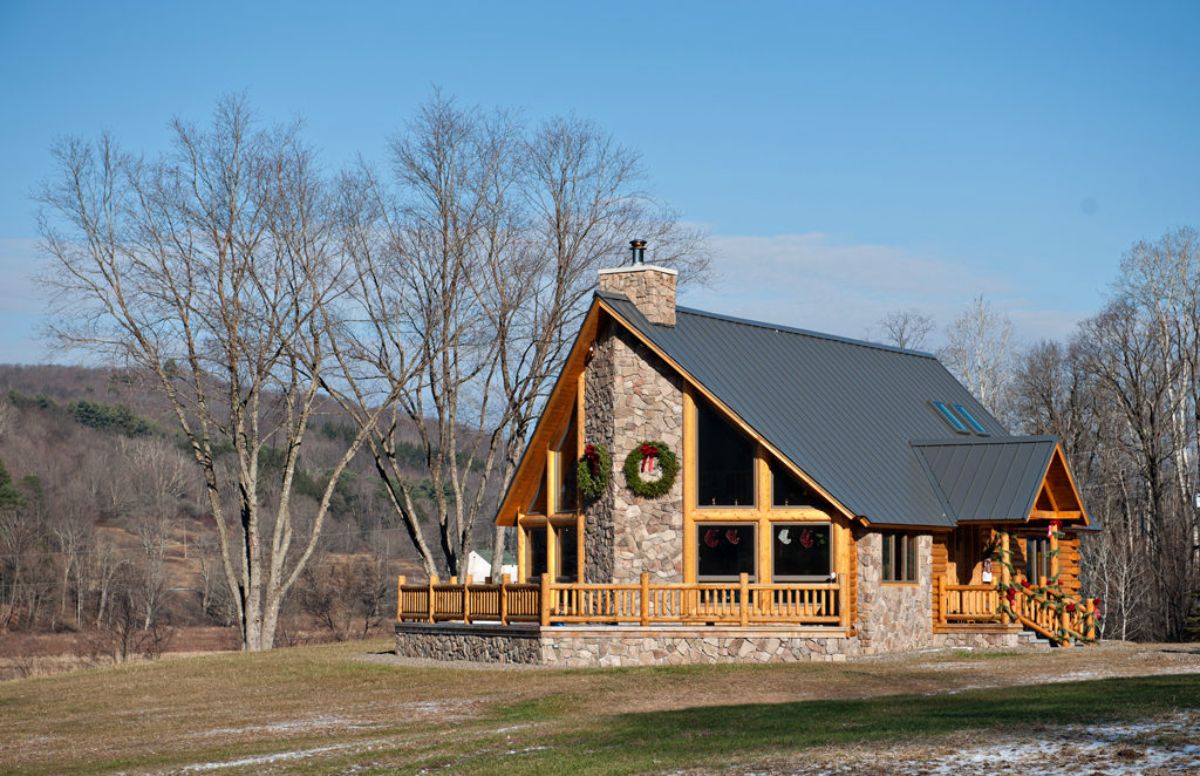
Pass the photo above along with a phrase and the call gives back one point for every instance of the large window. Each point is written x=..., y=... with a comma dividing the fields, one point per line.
x=567, y=537
x=538, y=505
x=725, y=461
x=568, y=457
x=899, y=557
x=1037, y=559
x=725, y=551
x=535, y=547
x=800, y=552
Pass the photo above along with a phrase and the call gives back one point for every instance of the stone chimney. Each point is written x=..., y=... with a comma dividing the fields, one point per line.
x=650, y=288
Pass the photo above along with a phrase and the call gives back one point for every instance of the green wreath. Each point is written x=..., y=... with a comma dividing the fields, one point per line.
x=593, y=471
x=634, y=466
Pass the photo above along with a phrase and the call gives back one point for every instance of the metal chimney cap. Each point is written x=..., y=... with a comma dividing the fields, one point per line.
x=637, y=244
x=638, y=247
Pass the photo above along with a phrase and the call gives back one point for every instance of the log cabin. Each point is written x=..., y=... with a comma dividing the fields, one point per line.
x=701, y=488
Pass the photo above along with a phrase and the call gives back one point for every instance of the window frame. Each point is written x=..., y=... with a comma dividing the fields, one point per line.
x=908, y=558
x=803, y=578
x=702, y=526
x=702, y=406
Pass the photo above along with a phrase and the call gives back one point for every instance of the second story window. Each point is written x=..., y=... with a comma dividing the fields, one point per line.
x=725, y=461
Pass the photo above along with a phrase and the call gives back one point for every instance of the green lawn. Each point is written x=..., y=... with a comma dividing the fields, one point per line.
x=335, y=708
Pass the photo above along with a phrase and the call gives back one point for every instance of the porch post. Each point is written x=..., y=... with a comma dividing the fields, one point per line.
x=467, y=599
x=432, y=581
x=504, y=599
x=644, y=604
x=544, y=614
x=400, y=596
x=743, y=602
x=1054, y=556
x=1005, y=570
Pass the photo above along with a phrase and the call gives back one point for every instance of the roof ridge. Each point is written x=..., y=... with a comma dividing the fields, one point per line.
x=782, y=328
x=989, y=440
x=805, y=332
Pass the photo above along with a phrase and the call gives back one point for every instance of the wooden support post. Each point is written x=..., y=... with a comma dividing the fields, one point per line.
x=1005, y=570
x=432, y=581
x=466, y=607
x=1054, y=556
x=1065, y=624
x=744, y=599
x=1090, y=608
x=504, y=600
x=400, y=580
x=544, y=601
x=644, y=606
x=942, y=599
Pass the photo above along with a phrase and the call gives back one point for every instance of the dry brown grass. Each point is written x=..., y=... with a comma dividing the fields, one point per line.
x=341, y=706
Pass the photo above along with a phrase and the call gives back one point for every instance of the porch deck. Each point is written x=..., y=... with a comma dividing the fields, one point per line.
x=742, y=603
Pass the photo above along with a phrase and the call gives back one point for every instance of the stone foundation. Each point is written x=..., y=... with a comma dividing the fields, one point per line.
x=597, y=645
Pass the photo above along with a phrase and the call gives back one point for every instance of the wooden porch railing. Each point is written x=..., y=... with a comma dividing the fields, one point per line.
x=643, y=603
x=1053, y=614
x=968, y=603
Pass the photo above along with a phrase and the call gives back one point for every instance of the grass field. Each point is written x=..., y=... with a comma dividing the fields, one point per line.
x=345, y=708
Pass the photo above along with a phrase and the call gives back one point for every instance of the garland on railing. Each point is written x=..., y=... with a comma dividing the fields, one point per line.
x=593, y=471
x=643, y=459
x=1049, y=596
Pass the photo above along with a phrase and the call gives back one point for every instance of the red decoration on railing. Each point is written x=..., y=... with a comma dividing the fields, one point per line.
x=1052, y=529
x=1070, y=607
x=649, y=458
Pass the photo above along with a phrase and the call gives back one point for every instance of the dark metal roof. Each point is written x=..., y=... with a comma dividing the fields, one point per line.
x=991, y=479
x=842, y=410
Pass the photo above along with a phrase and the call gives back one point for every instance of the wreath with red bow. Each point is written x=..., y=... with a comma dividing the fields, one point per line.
x=647, y=458
x=593, y=471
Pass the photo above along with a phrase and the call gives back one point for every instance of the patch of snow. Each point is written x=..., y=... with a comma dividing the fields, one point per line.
x=527, y=749
x=264, y=759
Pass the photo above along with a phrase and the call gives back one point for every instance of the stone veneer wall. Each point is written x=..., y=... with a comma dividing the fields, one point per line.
x=630, y=396
x=893, y=617
x=591, y=646
x=647, y=405
x=598, y=386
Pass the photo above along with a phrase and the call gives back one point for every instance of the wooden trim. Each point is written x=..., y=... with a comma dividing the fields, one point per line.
x=522, y=571
x=746, y=427
x=689, y=484
x=1058, y=451
x=518, y=488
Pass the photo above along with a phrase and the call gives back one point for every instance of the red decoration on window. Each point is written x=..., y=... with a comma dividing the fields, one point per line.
x=733, y=537
x=712, y=537
x=806, y=538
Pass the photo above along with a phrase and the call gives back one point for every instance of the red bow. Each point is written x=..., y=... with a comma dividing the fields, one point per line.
x=649, y=454
x=592, y=456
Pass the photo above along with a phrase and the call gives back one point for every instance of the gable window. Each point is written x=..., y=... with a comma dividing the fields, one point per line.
x=1037, y=559
x=725, y=461
x=788, y=490
x=801, y=552
x=725, y=550
x=538, y=505
x=567, y=457
x=899, y=557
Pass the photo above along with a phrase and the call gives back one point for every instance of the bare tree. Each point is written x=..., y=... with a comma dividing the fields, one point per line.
x=208, y=269
x=979, y=351
x=473, y=274
x=909, y=329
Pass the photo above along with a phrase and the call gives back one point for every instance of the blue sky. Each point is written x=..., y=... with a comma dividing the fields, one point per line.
x=848, y=158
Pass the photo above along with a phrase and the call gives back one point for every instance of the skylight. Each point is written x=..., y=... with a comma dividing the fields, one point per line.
x=974, y=423
x=951, y=419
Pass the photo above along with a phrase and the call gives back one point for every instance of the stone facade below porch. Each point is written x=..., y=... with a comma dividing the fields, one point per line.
x=598, y=645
